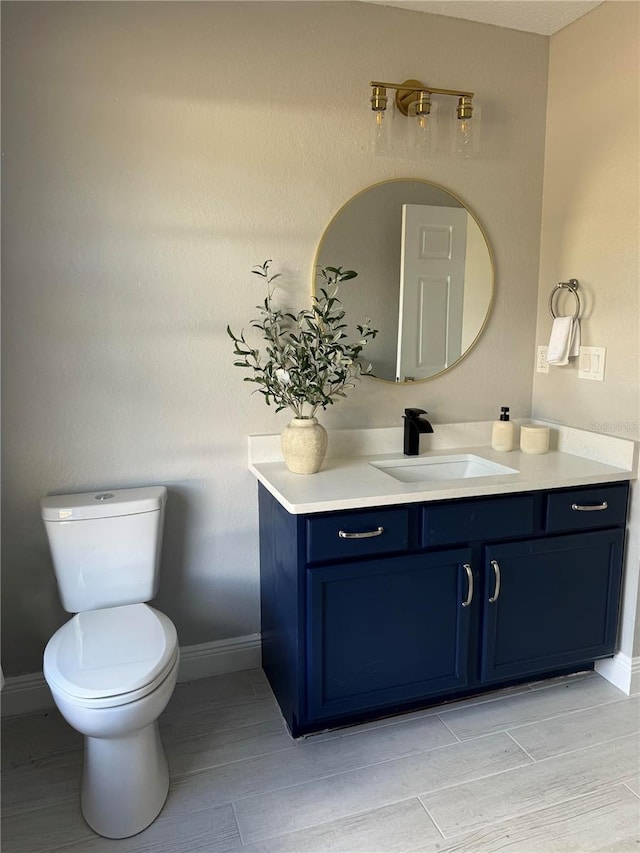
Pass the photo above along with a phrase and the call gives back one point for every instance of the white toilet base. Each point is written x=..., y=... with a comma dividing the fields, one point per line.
x=125, y=779
x=125, y=782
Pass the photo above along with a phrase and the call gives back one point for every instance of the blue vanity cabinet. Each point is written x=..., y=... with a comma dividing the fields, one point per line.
x=550, y=603
x=386, y=632
x=370, y=612
x=553, y=602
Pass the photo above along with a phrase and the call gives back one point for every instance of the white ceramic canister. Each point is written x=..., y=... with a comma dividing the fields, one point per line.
x=534, y=438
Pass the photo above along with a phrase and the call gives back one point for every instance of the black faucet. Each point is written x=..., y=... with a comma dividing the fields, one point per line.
x=413, y=426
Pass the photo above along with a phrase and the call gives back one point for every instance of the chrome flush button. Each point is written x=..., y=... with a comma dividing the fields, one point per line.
x=104, y=496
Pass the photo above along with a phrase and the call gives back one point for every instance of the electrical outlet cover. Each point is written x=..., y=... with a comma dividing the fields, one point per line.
x=542, y=365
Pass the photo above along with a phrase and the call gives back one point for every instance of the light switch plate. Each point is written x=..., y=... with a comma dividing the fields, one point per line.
x=591, y=363
x=542, y=365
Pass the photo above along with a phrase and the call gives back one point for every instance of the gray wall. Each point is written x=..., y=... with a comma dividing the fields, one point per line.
x=590, y=227
x=152, y=153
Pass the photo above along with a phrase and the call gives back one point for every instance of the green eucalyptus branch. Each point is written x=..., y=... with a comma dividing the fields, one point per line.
x=307, y=359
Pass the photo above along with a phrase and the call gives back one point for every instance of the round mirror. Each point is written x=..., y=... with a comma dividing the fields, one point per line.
x=425, y=275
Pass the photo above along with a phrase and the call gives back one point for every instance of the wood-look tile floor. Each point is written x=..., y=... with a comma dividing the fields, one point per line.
x=552, y=766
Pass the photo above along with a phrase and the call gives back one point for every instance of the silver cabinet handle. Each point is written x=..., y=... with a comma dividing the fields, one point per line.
x=467, y=569
x=590, y=507
x=366, y=535
x=496, y=591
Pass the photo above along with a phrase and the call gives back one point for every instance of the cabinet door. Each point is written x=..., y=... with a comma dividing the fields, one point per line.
x=386, y=631
x=550, y=603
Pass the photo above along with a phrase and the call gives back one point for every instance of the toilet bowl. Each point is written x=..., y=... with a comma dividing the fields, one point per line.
x=111, y=673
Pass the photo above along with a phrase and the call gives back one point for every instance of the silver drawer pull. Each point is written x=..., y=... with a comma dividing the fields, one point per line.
x=590, y=508
x=366, y=535
x=496, y=591
x=467, y=569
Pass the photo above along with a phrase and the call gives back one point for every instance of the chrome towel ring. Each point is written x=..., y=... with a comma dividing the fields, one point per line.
x=572, y=287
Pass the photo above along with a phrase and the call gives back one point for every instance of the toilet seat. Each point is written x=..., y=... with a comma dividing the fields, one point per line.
x=104, y=658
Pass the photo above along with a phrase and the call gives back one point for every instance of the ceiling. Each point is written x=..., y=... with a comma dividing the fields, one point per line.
x=534, y=16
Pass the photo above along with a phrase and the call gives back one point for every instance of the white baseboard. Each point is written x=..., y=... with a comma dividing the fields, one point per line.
x=622, y=671
x=26, y=694
x=220, y=657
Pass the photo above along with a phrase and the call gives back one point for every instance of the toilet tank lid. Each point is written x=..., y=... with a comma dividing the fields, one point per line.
x=103, y=504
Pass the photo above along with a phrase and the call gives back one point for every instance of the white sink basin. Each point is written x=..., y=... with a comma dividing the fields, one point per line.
x=460, y=466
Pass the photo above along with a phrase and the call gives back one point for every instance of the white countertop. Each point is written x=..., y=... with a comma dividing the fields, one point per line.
x=350, y=482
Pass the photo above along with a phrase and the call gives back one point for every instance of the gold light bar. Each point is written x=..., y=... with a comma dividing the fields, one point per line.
x=412, y=91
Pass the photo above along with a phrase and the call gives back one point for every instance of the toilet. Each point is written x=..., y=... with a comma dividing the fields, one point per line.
x=113, y=666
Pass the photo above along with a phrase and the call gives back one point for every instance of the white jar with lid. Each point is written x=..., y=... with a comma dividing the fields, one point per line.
x=534, y=438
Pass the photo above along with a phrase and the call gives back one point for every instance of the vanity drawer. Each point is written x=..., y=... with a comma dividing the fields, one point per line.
x=470, y=521
x=579, y=509
x=346, y=535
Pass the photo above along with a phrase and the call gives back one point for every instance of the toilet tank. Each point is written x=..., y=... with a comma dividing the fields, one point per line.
x=105, y=545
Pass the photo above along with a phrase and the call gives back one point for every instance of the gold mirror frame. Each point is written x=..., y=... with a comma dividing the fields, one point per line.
x=337, y=233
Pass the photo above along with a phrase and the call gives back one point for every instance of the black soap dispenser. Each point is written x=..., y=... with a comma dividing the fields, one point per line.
x=503, y=434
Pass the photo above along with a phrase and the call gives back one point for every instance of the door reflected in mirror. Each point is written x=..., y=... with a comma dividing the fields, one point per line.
x=425, y=275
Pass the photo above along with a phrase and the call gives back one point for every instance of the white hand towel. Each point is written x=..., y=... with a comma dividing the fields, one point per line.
x=564, y=342
x=574, y=346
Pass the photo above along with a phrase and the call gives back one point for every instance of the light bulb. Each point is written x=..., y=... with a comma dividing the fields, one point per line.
x=382, y=124
x=380, y=134
x=422, y=135
x=466, y=134
x=422, y=127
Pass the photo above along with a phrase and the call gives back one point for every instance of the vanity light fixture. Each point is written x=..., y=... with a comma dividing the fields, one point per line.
x=413, y=99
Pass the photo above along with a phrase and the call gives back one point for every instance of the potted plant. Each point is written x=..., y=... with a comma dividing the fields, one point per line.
x=308, y=361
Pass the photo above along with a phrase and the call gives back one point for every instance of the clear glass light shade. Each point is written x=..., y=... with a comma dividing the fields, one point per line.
x=422, y=129
x=465, y=137
x=382, y=130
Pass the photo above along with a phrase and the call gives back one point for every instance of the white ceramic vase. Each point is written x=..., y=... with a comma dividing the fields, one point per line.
x=304, y=444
